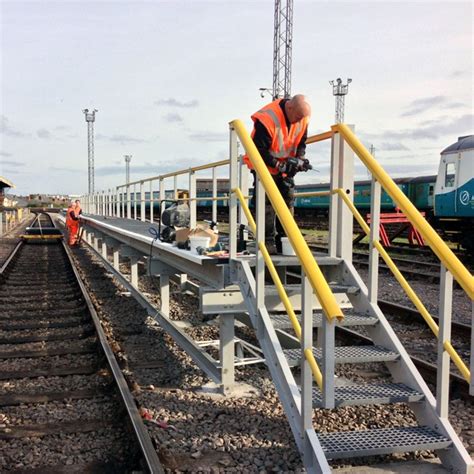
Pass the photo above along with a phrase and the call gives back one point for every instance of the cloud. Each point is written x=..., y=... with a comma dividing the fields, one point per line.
x=43, y=133
x=119, y=168
x=389, y=146
x=4, y=153
x=176, y=103
x=173, y=117
x=66, y=170
x=62, y=127
x=13, y=163
x=458, y=73
x=421, y=105
x=12, y=171
x=454, y=105
x=428, y=130
x=122, y=139
x=207, y=136
x=7, y=130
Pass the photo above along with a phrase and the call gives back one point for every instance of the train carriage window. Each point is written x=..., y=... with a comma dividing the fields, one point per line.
x=450, y=175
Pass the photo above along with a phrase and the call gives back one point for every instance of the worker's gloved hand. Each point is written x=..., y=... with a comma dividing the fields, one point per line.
x=288, y=167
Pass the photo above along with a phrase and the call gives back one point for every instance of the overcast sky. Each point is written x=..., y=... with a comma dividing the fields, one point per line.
x=167, y=77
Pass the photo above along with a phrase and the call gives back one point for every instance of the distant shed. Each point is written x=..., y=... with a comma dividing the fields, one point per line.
x=4, y=184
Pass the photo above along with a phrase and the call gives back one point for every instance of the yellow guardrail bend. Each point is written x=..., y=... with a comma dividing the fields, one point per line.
x=444, y=253
x=318, y=282
x=281, y=290
x=408, y=289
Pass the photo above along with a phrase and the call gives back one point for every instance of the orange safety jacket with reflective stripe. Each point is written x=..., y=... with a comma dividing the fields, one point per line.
x=68, y=217
x=284, y=142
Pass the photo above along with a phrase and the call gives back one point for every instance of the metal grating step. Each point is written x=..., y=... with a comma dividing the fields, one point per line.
x=350, y=444
x=296, y=289
x=370, y=394
x=347, y=354
x=281, y=320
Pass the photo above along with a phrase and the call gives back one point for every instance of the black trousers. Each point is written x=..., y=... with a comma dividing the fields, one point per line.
x=273, y=229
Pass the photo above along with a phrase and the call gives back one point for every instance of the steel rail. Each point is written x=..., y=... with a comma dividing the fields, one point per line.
x=427, y=369
x=405, y=312
x=11, y=256
x=149, y=452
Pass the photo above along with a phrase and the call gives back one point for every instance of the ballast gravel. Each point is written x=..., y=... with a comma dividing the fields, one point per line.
x=198, y=431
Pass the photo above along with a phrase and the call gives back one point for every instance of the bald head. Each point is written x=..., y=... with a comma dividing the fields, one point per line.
x=297, y=108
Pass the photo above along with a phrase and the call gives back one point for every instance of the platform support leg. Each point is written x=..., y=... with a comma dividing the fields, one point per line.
x=328, y=330
x=227, y=351
x=104, y=250
x=183, y=278
x=306, y=375
x=165, y=294
x=444, y=361
x=116, y=256
x=134, y=271
x=96, y=244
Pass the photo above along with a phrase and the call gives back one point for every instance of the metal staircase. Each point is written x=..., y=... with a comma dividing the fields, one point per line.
x=407, y=385
x=331, y=295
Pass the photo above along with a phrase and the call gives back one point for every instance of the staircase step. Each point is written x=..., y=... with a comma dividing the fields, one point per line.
x=370, y=394
x=351, y=318
x=347, y=354
x=352, y=444
x=292, y=261
x=296, y=289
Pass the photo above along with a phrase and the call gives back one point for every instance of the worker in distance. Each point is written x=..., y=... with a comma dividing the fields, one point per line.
x=279, y=133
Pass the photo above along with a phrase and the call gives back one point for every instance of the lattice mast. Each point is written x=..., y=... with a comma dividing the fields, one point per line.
x=90, y=119
x=340, y=90
x=282, y=46
x=128, y=158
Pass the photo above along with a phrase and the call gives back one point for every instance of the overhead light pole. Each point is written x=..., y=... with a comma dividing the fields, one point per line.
x=340, y=90
x=128, y=158
x=282, y=50
x=90, y=119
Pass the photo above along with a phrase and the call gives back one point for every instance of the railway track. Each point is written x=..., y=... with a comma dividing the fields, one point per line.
x=9, y=240
x=65, y=405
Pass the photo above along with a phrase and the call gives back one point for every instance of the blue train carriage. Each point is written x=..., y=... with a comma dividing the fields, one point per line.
x=421, y=193
x=319, y=205
x=454, y=192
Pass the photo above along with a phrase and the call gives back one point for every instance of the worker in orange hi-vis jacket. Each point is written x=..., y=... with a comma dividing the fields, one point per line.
x=68, y=218
x=74, y=214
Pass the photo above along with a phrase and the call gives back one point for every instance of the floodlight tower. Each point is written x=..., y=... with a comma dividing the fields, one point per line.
x=128, y=158
x=282, y=46
x=90, y=119
x=340, y=90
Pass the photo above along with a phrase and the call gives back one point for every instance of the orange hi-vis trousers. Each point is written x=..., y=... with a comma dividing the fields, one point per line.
x=73, y=232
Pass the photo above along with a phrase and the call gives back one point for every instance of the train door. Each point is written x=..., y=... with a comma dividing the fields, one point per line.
x=446, y=185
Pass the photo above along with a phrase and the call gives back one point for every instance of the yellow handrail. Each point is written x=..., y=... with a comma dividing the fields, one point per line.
x=318, y=282
x=444, y=253
x=319, y=137
x=312, y=194
x=280, y=289
x=215, y=164
x=408, y=289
